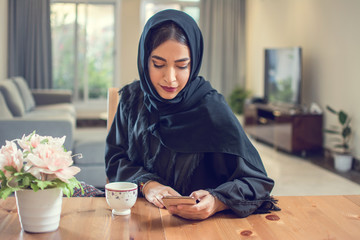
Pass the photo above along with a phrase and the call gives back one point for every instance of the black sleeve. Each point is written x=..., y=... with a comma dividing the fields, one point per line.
x=244, y=189
x=118, y=166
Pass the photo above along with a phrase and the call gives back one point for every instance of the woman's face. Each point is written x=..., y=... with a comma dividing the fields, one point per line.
x=169, y=68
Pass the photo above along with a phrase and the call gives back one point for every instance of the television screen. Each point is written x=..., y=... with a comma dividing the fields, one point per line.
x=283, y=75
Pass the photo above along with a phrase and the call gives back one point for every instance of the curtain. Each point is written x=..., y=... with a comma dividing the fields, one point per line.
x=222, y=23
x=29, y=42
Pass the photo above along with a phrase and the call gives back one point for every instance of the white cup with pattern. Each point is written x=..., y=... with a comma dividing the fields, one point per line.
x=121, y=196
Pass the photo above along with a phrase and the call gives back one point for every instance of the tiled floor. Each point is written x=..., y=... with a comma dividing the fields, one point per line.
x=295, y=176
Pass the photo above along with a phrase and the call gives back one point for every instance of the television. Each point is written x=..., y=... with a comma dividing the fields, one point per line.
x=283, y=76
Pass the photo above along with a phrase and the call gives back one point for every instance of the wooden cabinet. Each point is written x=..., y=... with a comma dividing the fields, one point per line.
x=285, y=128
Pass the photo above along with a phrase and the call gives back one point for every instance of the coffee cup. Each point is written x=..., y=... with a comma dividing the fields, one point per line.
x=121, y=196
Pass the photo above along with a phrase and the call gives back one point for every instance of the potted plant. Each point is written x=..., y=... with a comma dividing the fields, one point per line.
x=341, y=150
x=237, y=99
x=39, y=170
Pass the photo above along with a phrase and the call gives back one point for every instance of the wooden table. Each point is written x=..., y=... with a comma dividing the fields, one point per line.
x=306, y=217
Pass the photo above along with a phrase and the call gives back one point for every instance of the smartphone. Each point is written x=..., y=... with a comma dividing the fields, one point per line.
x=177, y=200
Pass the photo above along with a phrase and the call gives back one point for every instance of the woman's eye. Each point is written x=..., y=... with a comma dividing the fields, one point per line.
x=183, y=67
x=158, y=65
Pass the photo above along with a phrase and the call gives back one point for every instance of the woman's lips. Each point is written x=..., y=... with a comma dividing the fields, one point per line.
x=169, y=89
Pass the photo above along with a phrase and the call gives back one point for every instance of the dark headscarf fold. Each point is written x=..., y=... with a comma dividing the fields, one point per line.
x=198, y=119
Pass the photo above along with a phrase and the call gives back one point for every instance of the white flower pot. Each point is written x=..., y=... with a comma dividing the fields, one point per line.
x=39, y=211
x=342, y=162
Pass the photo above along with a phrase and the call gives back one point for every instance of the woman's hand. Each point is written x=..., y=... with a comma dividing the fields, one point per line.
x=154, y=192
x=207, y=206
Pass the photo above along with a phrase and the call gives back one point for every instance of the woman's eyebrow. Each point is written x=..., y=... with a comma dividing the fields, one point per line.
x=182, y=60
x=159, y=58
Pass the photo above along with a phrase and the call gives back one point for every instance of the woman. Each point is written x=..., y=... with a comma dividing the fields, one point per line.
x=173, y=134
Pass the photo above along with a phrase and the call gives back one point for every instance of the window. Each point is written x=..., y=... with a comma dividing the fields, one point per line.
x=150, y=7
x=83, y=47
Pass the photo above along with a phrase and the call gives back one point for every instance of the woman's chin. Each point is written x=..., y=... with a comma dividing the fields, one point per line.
x=168, y=96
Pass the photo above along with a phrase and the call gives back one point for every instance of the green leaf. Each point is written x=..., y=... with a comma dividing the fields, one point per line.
x=342, y=117
x=331, y=131
x=331, y=110
x=26, y=181
x=10, y=169
x=26, y=154
x=66, y=191
x=343, y=146
x=31, y=135
x=34, y=187
x=43, y=184
x=5, y=192
x=346, y=132
x=2, y=174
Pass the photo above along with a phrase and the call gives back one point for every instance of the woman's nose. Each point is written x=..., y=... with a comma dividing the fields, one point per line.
x=170, y=75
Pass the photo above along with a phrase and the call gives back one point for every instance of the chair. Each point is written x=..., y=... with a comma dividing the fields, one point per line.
x=112, y=103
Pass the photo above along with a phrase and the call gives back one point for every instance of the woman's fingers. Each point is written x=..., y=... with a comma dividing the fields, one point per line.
x=189, y=212
x=198, y=195
x=206, y=207
x=155, y=192
x=155, y=198
x=158, y=201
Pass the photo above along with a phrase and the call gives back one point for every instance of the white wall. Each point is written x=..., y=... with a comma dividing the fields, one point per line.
x=329, y=34
x=3, y=38
x=129, y=38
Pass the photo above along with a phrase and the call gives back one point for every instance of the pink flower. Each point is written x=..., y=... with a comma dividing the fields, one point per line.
x=34, y=140
x=33, y=158
x=43, y=157
x=10, y=155
x=52, y=161
x=67, y=173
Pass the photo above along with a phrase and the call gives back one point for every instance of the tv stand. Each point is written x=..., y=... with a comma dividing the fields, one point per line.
x=286, y=128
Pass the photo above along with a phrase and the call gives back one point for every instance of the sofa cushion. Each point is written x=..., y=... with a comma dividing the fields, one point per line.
x=12, y=97
x=4, y=110
x=25, y=92
x=90, y=142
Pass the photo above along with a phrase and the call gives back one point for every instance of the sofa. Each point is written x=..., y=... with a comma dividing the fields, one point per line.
x=51, y=112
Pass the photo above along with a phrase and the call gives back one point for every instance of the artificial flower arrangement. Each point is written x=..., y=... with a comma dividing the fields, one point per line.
x=37, y=162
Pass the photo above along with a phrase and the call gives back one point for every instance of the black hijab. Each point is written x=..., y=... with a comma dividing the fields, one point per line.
x=198, y=119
